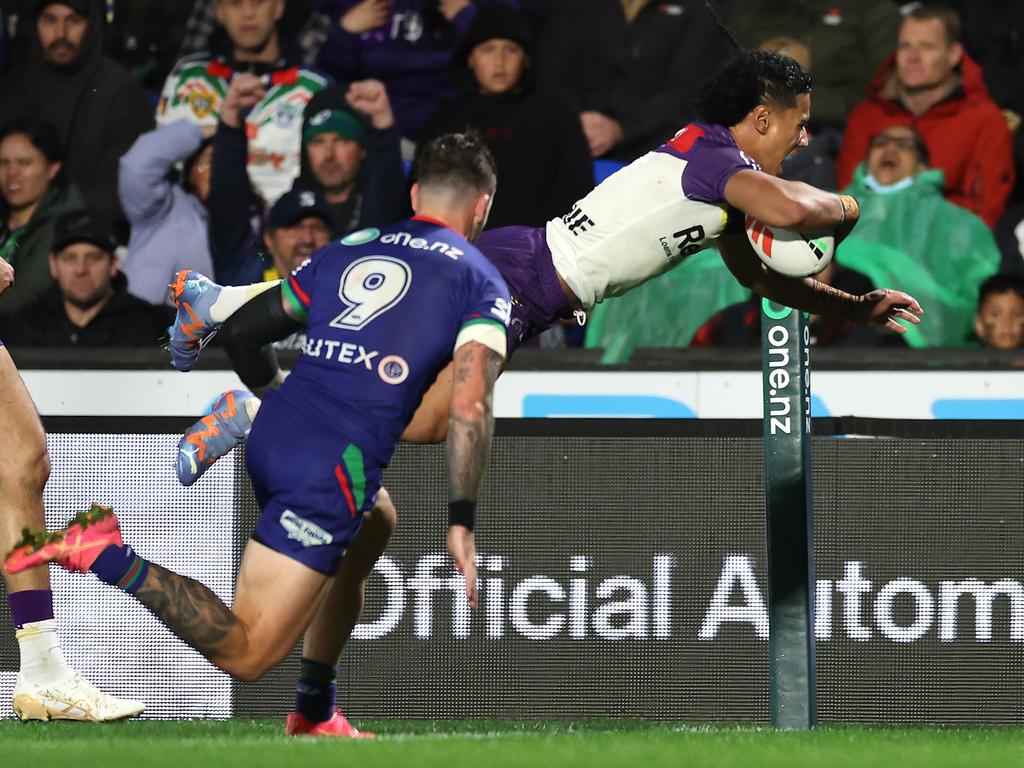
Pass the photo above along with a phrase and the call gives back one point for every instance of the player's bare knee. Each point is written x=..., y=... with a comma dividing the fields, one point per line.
x=251, y=665
x=245, y=671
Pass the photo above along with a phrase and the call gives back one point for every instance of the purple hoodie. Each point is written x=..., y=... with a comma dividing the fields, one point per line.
x=410, y=54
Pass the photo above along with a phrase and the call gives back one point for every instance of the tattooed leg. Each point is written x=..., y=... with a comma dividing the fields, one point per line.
x=188, y=609
x=275, y=600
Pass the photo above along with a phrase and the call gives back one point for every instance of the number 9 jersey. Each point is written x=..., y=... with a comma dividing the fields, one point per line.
x=385, y=310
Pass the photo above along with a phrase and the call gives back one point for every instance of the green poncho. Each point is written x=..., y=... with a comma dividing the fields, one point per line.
x=665, y=311
x=914, y=240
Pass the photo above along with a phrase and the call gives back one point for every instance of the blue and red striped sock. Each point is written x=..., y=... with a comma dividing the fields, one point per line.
x=120, y=567
x=317, y=690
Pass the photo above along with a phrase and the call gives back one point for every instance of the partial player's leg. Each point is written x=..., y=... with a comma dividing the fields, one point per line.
x=232, y=415
x=47, y=687
x=275, y=595
x=315, y=712
x=202, y=307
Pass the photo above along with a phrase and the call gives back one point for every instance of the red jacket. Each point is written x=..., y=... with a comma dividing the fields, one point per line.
x=966, y=134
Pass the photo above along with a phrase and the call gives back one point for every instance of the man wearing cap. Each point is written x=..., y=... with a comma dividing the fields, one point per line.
x=96, y=107
x=297, y=225
x=88, y=304
x=352, y=153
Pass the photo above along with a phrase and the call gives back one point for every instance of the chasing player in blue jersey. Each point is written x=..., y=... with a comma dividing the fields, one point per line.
x=383, y=313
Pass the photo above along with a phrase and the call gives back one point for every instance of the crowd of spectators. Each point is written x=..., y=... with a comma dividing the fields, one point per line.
x=235, y=137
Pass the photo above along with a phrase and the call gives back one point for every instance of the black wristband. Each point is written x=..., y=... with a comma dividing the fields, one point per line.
x=462, y=513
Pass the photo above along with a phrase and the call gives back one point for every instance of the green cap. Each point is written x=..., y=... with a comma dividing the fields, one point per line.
x=337, y=121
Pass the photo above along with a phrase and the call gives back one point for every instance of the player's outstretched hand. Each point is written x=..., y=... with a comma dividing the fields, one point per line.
x=462, y=548
x=886, y=307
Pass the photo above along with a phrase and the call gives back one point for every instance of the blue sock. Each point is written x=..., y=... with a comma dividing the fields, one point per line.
x=316, y=690
x=120, y=567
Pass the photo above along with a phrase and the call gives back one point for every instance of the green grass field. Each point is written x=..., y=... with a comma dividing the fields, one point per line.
x=491, y=744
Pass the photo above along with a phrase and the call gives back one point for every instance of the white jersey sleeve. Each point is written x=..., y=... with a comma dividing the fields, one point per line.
x=647, y=217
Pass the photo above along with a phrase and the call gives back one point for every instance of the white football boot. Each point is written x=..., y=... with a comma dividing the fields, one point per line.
x=71, y=697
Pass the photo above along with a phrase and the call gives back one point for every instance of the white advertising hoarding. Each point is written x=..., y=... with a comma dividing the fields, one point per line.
x=583, y=394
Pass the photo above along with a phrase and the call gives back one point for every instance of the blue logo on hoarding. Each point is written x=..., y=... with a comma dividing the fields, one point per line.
x=607, y=406
x=978, y=409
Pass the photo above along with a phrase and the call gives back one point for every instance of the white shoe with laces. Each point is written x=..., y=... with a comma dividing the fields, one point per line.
x=72, y=697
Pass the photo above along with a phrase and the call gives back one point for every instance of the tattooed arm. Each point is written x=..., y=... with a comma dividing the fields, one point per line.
x=879, y=307
x=470, y=427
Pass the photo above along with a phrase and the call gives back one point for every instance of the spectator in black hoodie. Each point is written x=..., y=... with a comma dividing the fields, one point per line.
x=88, y=304
x=544, y=164
x=97, y=108
x=630, y=68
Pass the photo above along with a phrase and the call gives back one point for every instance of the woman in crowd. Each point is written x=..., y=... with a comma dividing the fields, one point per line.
x=168, y=219
x=32, y=197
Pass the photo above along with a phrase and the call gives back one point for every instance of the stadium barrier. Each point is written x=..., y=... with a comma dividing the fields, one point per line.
x=623, y=575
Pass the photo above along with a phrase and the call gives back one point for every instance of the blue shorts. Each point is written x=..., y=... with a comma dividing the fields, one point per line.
x=312, y=485
x=523, y=258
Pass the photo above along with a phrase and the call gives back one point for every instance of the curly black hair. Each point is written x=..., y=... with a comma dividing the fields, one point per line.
x=750, y=78
x=458, y=160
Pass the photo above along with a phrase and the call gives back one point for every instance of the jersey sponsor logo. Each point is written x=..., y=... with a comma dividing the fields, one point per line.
x=406, y=240
x=306, y=533
x=502, y=310
x=577, y=221
x=407, y=25
x=342, y=352
x=362, y=237
x=683, y=243
x=393, y=370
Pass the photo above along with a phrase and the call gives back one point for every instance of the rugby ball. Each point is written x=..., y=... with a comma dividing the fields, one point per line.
x=790, y=253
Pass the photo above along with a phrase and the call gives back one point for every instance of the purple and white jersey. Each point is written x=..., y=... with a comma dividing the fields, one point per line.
x=649, y=216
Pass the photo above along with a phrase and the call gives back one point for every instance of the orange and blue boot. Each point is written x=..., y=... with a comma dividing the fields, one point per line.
x=193, y=294
x=214, y=435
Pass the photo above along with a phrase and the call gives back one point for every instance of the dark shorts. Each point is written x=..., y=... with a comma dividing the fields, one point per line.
x=312, y=485
x=522, y=257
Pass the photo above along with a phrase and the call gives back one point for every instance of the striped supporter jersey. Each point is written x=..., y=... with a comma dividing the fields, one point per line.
x=649, y=216
x=385, y=309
